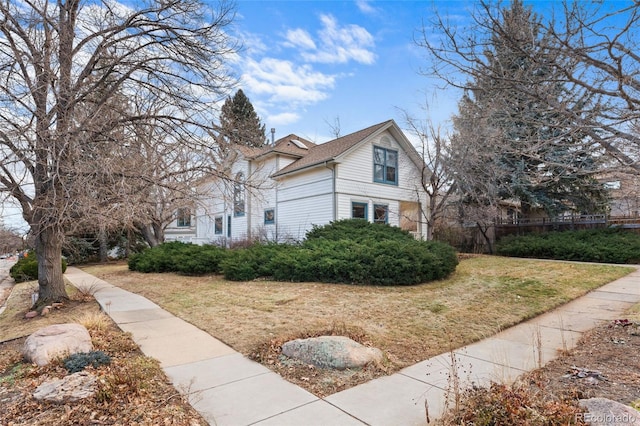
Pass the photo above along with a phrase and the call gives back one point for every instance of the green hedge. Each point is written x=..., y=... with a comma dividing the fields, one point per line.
x=250, y=263
x=594, y=245
x=349, y=251
x=26, y=269
x=186, y=259
x=356, y=230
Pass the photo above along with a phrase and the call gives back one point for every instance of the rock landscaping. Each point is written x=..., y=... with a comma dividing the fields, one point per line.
x=56, y=340
x=335, y=352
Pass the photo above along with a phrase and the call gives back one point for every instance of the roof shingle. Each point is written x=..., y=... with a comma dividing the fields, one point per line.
x=318, y=154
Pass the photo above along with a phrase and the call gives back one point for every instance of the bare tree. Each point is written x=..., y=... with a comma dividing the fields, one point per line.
x=591, y=50
x=10, y=240
x=334, y=127
x=510, y=145
x=61, y=64
x=436, y=178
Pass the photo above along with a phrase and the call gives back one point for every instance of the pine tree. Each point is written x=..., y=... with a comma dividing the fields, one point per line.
x=239, y=122
x=514, y=147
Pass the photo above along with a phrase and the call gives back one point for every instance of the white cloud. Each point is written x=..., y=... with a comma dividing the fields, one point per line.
x=337, y=44
x=283, y=119
x=252, y=43
x=299, y=38
x=365, y=7
x=281, y=88
x=285, y=83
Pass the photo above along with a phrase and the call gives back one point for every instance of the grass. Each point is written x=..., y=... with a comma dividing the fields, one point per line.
x=484, y=295
x=13, y=324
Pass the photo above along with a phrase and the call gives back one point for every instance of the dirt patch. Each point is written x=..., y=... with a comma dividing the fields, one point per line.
x=320, y=381
x=606, y=363
x=132, y=389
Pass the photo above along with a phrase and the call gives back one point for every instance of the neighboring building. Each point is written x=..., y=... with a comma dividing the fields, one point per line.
x=279, y=192
x=624, y=193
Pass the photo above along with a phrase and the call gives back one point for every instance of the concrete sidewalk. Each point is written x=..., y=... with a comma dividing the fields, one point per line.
x=229, y=389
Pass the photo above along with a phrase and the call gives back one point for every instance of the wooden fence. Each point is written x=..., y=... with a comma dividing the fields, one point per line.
x=563, y=223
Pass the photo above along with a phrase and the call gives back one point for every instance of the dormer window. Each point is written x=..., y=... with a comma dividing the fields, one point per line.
x=385, y=165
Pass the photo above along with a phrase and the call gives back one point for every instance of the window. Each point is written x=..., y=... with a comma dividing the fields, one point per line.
x=612, y=185
x=184, y=217
x=385, y=165
x=359, y=211
x=269, y=217
x=229, y=226
x=217, y=225
x=238, y=195
x=380, y=213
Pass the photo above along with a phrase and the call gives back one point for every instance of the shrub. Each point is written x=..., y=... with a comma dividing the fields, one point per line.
x=518, y=404
x=356, y=230
x=593, y=245
x=346, y=251
x=186, y=259
x=26, y=269
x=79, y=361
x=246, y=264
x=364, y=255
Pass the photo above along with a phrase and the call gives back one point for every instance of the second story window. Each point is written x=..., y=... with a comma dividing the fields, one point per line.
x=238, y=195
x=385, y=165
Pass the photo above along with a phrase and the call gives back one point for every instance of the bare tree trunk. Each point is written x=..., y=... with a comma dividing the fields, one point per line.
x=104, y=248
x=48, y=242
x=485, y=235
x=153, y=233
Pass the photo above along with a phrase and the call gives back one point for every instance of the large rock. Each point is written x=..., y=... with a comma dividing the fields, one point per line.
x=54, y=341
x=68, y=389
x=337, y=352
x=605, y=412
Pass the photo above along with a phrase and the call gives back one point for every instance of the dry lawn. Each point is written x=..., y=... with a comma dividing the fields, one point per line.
x=410, y=324
x=13, y=324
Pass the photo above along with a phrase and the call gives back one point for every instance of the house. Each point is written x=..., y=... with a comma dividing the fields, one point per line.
x=279, y=192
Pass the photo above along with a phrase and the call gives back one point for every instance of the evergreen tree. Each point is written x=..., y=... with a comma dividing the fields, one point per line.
x=508, y=145
x=239, y=122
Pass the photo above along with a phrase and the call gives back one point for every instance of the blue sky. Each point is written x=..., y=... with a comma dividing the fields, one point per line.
x=306, y=64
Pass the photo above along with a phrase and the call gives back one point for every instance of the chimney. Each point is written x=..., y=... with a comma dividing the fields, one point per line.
x=273, y=136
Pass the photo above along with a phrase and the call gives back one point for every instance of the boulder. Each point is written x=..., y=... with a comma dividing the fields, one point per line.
x=68, y=389
x=54, y=341
x=336, y=352
x=603, y=411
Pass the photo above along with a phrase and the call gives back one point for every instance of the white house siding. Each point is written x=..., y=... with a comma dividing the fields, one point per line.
x=304, y=200
x=310, y=197
x=262, y=197
x=354, y=182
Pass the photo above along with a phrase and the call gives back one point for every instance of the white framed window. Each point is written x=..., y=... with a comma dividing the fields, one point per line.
x=217, y=225
x=183, y=218
x=238, y=195
x=380, y=213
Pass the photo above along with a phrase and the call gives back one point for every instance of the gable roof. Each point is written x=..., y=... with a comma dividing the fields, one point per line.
x=292, y=145
x=330, y=151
